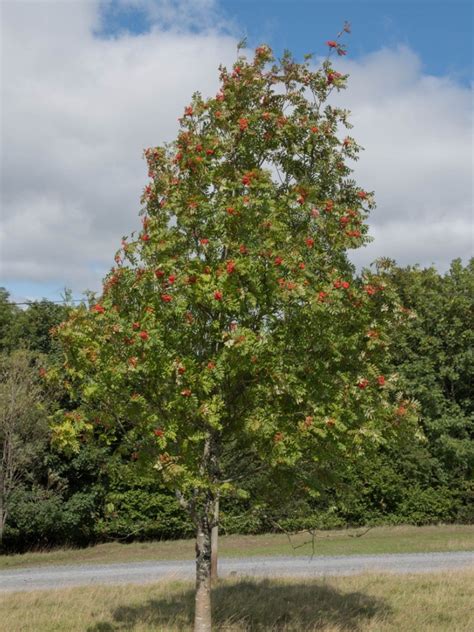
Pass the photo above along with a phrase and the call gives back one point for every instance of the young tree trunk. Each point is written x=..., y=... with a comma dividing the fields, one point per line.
x=3, y=506
x=2, y=520
x=202, y=614
x=214, y=542
x=205, y=511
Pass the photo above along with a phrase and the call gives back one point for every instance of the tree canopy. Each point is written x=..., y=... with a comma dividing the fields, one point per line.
x=232, y=322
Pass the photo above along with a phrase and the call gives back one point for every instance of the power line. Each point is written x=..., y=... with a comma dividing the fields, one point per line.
x=72, y=300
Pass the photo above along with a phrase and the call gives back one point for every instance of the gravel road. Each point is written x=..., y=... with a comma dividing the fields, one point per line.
x=48, y=577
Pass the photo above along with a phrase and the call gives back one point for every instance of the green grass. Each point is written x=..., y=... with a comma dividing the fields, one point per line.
x=439, y=602
x=404, y=539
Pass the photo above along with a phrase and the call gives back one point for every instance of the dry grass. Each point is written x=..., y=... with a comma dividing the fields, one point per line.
x=405, y=539
x=439, y=602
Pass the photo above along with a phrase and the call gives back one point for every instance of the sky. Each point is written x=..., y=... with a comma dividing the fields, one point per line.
x=87, y=85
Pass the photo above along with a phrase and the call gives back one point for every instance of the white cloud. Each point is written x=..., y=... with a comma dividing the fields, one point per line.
x=417, y=134
x=180, y=15
x=77, y=113
x=78, y=110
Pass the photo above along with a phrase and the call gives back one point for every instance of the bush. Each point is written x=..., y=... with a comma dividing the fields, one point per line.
x=143, y=514
x=41, y=518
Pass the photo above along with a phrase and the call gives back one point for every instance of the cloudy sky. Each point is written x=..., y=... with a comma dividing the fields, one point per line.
x=87, y=85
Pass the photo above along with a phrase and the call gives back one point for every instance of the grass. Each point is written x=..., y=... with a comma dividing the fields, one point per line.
x=404, y=539
x=365, y=603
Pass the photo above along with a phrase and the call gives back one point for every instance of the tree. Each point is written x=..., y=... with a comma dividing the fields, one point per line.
x=36, y=322
x=30, y=327
x=9, y=314
x=231, y=337
x=23, y=423
x=434, y=357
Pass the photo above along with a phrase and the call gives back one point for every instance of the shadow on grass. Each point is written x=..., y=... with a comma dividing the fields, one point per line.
x=254, y=606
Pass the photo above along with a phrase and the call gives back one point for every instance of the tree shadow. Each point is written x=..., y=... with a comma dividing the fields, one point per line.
x=255, y=606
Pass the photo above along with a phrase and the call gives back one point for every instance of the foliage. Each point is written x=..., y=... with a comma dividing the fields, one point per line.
x=62, y=504
x=36, y=323
x=234, y=352
x=31, y=327
x=232, y=321
x=435, y=361
x=43, y=517
x=8, y=322
x=232, y=336
x=411, y=483
x=143, y=513
x=23, y=424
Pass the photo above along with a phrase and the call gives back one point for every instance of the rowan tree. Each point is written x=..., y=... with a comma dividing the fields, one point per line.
x=232, y=322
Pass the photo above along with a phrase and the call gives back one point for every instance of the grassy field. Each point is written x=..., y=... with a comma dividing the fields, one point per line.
x=405, y=539
x=439, y=602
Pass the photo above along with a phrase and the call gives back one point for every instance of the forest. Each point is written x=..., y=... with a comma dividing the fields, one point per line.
x=53, y=497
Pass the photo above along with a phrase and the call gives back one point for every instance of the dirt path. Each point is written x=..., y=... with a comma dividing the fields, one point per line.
x=303, y=567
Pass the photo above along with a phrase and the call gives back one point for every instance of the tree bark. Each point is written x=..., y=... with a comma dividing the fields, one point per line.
x=202, y=613
x=3, y=517
x=3, y=488
x=215, y=541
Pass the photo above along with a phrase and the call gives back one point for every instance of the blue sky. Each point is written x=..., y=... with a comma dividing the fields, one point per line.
x=440, y=31
x=99, y=81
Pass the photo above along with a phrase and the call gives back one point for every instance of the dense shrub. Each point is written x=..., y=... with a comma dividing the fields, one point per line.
x=143, y=514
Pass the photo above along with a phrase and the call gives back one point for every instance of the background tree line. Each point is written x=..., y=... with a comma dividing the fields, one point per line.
x=50, y=498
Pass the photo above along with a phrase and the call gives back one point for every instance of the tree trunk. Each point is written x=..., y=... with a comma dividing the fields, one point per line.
x=214, y=541
x=202, y=614
x=3, y=506
x=2, y=520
